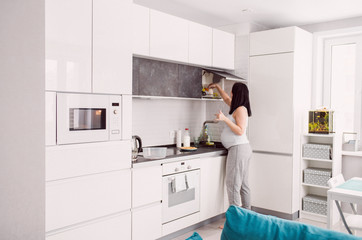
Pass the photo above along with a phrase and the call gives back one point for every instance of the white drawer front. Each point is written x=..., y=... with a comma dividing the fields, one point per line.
x=146, y=223
x=146, y=185
x=80, y=199
x=81, y=159
x=113, y=228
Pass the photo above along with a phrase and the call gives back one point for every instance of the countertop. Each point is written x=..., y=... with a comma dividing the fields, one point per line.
x=175, y=154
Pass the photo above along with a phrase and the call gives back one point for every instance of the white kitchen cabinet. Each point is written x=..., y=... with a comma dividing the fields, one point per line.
x=87, y=46
x=272, y=41
x=127, y=117
x=223, y=49
x=50, y=118
x=270, y=182
x=146, y=222
x=68, y=49
x=212, y=187
x=75, y=200
x=280, y=86
x=110, y=228
x=66, y=161
x=112, y=54
x=200, y=44
x=168, y=37
x=271, y=83
x=140, y=30
x=146, y=185
x=146, y=202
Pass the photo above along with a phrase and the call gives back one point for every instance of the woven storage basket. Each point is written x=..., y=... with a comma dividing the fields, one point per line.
x=320, y=151
x=315, y=204
x=317, y=176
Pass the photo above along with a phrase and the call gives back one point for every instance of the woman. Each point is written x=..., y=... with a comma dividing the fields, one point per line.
x=234, y=138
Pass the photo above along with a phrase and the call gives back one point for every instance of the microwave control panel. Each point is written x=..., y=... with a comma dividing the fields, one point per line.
x=115, y=118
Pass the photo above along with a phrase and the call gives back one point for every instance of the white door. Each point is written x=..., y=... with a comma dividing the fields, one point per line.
x=342, y=81
x=212, y=187
x=271, y=99
x=140, y=30
x=273, y=41
x=112, y=51
x=147, y=222
x=146, y=185
x=223, y=49
x=271, y=181
x=68, y=41
x=200, y=44
x=168, y=37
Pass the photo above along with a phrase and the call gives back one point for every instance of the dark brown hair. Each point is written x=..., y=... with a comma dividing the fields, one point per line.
x=240, y=97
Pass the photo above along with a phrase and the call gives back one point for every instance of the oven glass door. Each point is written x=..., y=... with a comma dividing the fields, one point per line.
x=82, y=118
x=180, y=198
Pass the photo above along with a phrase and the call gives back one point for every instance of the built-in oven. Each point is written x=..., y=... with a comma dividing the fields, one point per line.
x=180, y=190
x=88, y=118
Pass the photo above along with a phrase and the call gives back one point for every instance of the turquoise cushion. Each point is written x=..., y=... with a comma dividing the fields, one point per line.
x=195, y=236
x=245, y=224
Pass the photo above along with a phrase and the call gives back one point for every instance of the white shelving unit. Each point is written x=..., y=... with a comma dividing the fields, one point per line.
x=335, y=164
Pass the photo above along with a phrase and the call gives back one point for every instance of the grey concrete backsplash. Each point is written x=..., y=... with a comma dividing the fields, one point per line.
x=158, y=78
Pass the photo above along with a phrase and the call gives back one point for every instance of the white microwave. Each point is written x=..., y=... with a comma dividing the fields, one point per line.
x=85, y=118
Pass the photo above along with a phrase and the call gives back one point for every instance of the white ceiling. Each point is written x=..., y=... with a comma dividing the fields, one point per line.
x=268, y=13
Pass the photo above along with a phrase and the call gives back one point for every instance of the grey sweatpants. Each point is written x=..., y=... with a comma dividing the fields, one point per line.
x=237, y=185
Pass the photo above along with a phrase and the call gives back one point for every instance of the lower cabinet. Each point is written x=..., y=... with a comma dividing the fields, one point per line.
x=146, y=203
x=116, y=227
x=80, y=199
x=212, y=187
x=146, y=185
x=271, y=182
x=147, y=222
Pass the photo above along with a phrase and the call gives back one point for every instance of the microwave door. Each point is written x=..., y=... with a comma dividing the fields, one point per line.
x=82, y=118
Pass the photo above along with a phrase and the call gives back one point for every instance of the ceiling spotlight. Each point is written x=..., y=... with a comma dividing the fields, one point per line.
x=246, y=10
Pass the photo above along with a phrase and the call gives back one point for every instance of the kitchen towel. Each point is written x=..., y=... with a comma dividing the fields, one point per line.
x=179, y=183
x=190, y=181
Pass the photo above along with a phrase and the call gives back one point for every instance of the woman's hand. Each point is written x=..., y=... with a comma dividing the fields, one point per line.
x=220, y=116
x=213, y=85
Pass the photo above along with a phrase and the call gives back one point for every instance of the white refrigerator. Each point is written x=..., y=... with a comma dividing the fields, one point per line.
x=280, y=87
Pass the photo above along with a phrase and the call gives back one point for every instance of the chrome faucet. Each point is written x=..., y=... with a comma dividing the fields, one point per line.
x=204, y=136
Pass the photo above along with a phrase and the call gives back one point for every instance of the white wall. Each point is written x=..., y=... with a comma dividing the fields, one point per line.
x=153, y=119
x=22, y=152
x=333, y=25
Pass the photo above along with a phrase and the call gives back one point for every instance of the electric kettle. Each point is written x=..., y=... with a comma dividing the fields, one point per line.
x=136, y=146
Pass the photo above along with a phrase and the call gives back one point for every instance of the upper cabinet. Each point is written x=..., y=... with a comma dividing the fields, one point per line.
x=141, y=30
x=200, y=44
x=272, y=41
x=165, y=37
x=88, y=46
x=168, y=36
x=68, y=48
x=223, y=49
x=112, y=55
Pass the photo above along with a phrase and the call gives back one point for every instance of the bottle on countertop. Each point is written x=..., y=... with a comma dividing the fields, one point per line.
x=178, y=138
x=186, y=138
